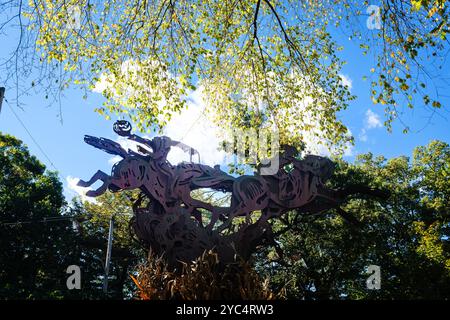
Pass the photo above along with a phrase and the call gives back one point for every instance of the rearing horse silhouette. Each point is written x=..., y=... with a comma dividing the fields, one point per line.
x=273, y=195
x=155, y=176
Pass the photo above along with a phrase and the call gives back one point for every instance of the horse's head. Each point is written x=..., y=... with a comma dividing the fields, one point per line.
x=319, y=166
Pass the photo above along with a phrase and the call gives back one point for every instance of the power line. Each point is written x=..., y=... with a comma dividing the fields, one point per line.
x=45, y=220
x=50, y=219
x=31, y=136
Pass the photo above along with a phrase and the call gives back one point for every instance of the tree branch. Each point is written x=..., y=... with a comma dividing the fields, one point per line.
x=286, y=36
x=255, y=19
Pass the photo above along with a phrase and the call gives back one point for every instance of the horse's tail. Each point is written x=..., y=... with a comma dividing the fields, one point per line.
x=106, y=145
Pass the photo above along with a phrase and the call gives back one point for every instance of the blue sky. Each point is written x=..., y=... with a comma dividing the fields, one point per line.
x=63, y=142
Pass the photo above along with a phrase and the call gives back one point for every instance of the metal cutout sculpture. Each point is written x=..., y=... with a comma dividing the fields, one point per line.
x=171, y=223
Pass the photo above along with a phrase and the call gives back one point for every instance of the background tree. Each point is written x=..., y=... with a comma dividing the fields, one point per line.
x=126, y=250
x=406, y=235
x=33, y=254
x=41, y=236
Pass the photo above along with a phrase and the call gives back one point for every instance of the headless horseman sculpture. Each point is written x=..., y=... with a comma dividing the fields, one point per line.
x=165, y=224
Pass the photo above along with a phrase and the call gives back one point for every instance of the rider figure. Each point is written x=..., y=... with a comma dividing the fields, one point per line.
x=160, y=146
x=285, y=180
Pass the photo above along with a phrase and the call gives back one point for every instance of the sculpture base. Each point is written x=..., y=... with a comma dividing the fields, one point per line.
x=178, y=237
x=203, y=279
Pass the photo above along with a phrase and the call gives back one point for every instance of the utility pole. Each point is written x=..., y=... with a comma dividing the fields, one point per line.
x=2, y=95
x=108, y=254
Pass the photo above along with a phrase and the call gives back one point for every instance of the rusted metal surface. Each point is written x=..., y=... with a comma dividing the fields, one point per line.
x=172, y=224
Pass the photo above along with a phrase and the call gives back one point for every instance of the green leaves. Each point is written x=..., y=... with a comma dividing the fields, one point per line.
x=406, y=234
x=150, y=55
x=282, y=62
x=28, y=193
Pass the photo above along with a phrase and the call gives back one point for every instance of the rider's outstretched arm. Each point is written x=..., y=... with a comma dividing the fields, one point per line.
x=139, y=139
x=144, y=141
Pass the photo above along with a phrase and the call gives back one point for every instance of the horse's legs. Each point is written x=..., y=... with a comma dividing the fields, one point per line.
x=99, y=175
x=197, y=215
x=200, y=204
x=240, y=211
x=99, y=191
x=215, y=211
x=268, y=213
x=215, y=214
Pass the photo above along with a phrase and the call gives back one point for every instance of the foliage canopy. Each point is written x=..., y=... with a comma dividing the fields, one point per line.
x=258, y=63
